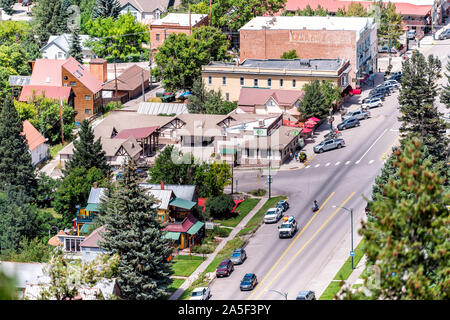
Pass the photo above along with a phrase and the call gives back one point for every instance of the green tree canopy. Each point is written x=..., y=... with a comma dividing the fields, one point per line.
x=48, y=19
x=289, y=54
x=445, y=94
x=76, y=50
x=133, y=233
x=390, y=22
x=314, y=103
x=106, y=9
x=206, y=101
x=356, y=9
x=211, y=178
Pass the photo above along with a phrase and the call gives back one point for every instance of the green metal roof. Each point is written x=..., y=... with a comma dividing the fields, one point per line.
x=197, y=226
x=85, y=228
x=181, y=203
x=172, y=235
x=93, y=207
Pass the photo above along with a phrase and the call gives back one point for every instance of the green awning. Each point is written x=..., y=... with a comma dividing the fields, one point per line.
x=228, y=151
x=85, y=228
x=172, y=235
x=181, y=203
x=92, y=207
x=197, y=226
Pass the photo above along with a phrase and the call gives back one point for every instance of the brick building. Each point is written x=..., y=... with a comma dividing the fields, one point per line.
x=346, y=38
x=174, y=23
x=277, y=74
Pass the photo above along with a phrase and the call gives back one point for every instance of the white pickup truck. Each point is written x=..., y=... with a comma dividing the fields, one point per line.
x=288, y=228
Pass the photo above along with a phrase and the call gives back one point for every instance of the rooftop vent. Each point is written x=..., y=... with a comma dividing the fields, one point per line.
x=47, y=80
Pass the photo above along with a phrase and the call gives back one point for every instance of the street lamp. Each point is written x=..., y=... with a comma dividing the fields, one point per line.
x=351, y=221
x=270, y=176
x=284, y=294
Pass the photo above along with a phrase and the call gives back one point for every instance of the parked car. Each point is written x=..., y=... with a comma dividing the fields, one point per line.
x=283, y=204
x=326, y=145
x=224, y=268
x=445, y=35
x=349, y=123
x=386, y=50
x=386, y=86
x=200, y=293
x=393, y=82
x=375, y=94
x=411, y=34
x=273, y=215
x=248, y=282
x=383, y=91
x=358, y=114
x=238, y=256
x=372, y=103
x=306, y=295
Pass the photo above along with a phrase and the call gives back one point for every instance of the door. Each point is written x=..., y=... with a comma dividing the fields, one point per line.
x=328, y=145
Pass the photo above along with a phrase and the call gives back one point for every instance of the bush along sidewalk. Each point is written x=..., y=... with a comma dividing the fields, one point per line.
x=343, y=274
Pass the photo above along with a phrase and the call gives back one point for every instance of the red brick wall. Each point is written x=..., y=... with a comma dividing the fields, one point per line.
x=309, y=44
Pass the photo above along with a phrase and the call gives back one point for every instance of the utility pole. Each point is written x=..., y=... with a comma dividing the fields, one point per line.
x=143, y=87
x=115, y=79
x=210, y=10
x=61, y=120
x=270, y=177
x=150, y=55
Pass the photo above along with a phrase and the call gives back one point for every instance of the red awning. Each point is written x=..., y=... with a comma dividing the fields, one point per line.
x=314, y=119
x=306, y=130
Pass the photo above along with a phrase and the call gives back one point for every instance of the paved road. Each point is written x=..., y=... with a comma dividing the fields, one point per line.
x=335, y=178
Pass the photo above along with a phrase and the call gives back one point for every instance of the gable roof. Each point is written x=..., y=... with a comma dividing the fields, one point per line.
x=93, y=239
x=256, y=96
x=83, y=74
x=129, y=80
x=162, y=196
x=34, y=137
x=51, y=92
x=96, y=195
x=63, y=42
x=180, y=19
x=155, y=108
x=47, y=72
x=137, y=133
x=184, y=226
x=182, y=191
x=147, y=5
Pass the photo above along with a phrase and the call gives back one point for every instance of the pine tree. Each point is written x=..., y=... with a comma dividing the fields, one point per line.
x=445, y=95
x=87, y=153
x=419, y=113
x=75, y=46
x=7, y=6
x=106, y=8
x=408, y=242
x=48, y=19
x=16, y=168
x=132, y=232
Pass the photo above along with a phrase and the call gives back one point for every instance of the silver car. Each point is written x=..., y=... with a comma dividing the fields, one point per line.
x=358, y=114
x=273, y=215
x=329, y=145
x=372, y=103
x=201, y=293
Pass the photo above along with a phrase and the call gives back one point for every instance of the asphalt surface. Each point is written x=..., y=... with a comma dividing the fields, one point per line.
x=341, y=177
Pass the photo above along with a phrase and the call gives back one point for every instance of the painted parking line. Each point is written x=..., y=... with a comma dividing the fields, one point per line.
x=299, y=251
x=258, y=286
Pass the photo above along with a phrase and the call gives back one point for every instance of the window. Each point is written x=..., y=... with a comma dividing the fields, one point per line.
x=157, y=37
x=242, y=81
x=209, y=80
x=255, y=82
x=281, y=82
x=294, y=83
x=87, y=111
x=73, y=83
x=251, y=153
x=87, y=97
x=269, y=82
x=224, y=80
x=66, y=78
x=60, y=55
x=263, y=153
x=227, y=96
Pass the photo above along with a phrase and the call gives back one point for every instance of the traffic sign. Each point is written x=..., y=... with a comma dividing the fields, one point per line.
x=352, y=253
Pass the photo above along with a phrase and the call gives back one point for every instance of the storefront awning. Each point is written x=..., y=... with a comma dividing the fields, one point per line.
x=172, y=235
x=197, y=226
x=92, y=207
x=228, y=151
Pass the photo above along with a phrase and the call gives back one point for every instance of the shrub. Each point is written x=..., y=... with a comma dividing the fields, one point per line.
x=220, y=206
x=258, y=192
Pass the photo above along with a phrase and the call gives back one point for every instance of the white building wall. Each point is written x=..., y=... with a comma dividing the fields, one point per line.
x=53, y=52
x=88, y=254
x=39, y=154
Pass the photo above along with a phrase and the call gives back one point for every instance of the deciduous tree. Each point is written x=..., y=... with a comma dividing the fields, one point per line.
x=313, y=103
x=289, y=54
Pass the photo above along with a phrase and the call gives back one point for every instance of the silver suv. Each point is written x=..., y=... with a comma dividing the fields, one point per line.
x=358, y=114
x=326, y=145
x=372, y=103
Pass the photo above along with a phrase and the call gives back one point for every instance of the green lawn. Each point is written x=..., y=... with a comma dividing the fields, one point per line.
x=55, y=149
x=175, y=284
x=332, y=289
x=346, y=269
x=257, y=219
x=244, y=208
x=184, y=265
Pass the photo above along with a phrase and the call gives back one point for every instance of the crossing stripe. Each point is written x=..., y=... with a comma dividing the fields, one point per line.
x=347, y=162
x=317, y=165
x=337, y=163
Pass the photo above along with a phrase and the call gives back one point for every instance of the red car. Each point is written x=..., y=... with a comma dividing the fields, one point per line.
x=225, y=268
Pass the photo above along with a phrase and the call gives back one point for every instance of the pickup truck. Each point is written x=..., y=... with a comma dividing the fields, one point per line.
x=330, y=144
x=358, y=114
x=288, y=228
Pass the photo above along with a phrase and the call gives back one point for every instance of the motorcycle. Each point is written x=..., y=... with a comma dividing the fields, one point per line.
x=315, y=207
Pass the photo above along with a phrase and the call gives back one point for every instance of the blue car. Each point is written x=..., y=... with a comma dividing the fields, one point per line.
x=248, y=282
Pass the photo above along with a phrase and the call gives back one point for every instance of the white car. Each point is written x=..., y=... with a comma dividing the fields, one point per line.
x=394, y=83
x=273, y=215
x=372, y=103
x=200, y=293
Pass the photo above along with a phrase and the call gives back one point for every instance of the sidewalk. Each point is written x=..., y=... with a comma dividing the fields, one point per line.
x=186, y=284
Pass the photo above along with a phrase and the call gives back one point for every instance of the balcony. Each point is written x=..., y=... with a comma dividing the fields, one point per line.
x=84, y=216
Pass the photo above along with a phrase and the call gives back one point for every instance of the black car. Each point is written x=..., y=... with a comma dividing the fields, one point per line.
x=224, y=268
x=349, y=123
x=283, y=204
x=248, y=282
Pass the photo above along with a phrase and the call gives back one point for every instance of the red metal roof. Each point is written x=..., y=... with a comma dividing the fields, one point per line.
x=256, y=96
x=34, y=138
x=92, y=240
x=52, y=92
x=184, y=226
x=137, y=133
x=333, y=5
x=47, y=72
x=83, y=74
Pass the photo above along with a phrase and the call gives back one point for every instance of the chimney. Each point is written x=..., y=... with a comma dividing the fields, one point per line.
x=99, y=68
x=95, y=185
x=162, y=184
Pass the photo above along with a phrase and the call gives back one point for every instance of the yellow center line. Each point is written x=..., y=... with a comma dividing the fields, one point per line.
x=383, y=156
x=308, y=160
x=292, y=243
x=304, y=246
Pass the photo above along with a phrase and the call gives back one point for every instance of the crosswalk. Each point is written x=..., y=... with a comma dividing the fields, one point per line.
x=346, y=163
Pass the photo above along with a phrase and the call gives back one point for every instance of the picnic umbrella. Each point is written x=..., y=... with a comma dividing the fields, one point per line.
x=314, y=119
x=310, y=123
